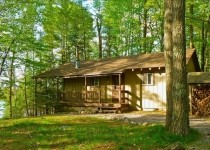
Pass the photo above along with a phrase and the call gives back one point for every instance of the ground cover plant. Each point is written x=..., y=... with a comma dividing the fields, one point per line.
x=82, y=132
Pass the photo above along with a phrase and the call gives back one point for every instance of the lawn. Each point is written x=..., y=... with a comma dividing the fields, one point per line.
x=83, y=133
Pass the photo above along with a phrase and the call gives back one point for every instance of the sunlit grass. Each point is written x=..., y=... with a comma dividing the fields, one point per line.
x=80, y=132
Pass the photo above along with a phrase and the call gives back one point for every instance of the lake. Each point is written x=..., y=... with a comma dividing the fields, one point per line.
x=2, y=108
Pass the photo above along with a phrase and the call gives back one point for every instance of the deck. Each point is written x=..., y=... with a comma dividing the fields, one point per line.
x=86, y=99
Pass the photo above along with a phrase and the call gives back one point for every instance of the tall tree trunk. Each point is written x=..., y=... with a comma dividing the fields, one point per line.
x=168, y=47
x=203, y=47
x=180, y=117
x=98, y=5
x=25, y=96
x=162, y=35
x=25, y=87
x=204, y=43
x=145, y=28
x=207, y=47
x=98, y=24
x=11, y=83
x=35, y=98
x=108, y=45
x=191, y=26
x=84, y=46
x=5, y=56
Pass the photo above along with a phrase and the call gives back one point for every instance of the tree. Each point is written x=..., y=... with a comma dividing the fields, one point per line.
x=178, y=121
x=98, y=5
x=197, y=29
x=145, y=15
x=180, y=117
x=7, y=27
x=11, y=82
x=168, y=46
x=67, y=27
x=132, y=27
x=191, y=43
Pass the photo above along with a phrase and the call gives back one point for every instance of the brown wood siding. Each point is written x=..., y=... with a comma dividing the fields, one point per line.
x=78, y=85
x=191, y=66
x=133, y=89
x=74, y=84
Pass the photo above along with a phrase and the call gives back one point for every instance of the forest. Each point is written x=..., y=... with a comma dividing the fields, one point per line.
x=40, y=35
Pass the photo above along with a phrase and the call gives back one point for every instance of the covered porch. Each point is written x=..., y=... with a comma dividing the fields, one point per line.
x=104, y=93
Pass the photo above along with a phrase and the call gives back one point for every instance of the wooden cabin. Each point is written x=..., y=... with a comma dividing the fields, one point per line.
x=136, y=82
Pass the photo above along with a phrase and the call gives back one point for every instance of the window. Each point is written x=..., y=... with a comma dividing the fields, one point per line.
x=94, y=81
x=148, y=79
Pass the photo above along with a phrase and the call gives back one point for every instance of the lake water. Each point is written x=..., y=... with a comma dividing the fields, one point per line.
x=2, y=108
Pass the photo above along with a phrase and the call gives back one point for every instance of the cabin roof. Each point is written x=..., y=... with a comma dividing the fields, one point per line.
x=112, y=65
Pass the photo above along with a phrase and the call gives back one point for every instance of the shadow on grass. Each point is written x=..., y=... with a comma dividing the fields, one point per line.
x=84, y=133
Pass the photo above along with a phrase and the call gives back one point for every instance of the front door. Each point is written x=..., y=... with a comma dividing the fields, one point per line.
x=116, y=88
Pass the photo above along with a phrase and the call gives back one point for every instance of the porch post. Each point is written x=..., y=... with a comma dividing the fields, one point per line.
x=85, y=88
x=120, y=88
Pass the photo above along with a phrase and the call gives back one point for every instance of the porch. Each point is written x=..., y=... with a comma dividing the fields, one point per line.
x=92, y=99
x=84, y=99
x=104, y=93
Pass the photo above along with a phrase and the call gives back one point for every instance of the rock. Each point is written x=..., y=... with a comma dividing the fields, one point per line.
x=133, y=123
x=126, y=120
x=139, y=123
x=178, y=146
x=153, y=124
x=193, y=148
x=144, y=124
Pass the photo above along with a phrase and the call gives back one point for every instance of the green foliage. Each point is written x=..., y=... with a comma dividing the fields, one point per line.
x=36, y=36
x=74, y=132
x=67, y=29
x=124, y=26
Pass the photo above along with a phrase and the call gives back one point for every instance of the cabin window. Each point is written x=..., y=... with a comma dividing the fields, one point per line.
x=148, y=79
x=94, y=81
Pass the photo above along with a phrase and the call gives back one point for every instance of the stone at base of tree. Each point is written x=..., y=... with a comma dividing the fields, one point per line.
x=176, y=146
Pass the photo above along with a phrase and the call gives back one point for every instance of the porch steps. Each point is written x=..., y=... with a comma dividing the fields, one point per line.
x=99, y=107
x=108, y=109
x=112, y=108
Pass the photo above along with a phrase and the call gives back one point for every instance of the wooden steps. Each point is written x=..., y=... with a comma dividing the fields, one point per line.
x=113, y=108
x=101, y=107
x=109, y=110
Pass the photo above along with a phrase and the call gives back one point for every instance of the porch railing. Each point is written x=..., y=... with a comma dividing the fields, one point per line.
x=81, y=97
x=93, y=96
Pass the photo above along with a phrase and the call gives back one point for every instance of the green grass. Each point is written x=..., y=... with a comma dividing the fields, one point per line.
x=83, y=133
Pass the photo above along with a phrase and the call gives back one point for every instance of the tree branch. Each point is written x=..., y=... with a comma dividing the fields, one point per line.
x=5, y=56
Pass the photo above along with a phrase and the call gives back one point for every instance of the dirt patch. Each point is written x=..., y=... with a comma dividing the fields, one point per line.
x=158, y=117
